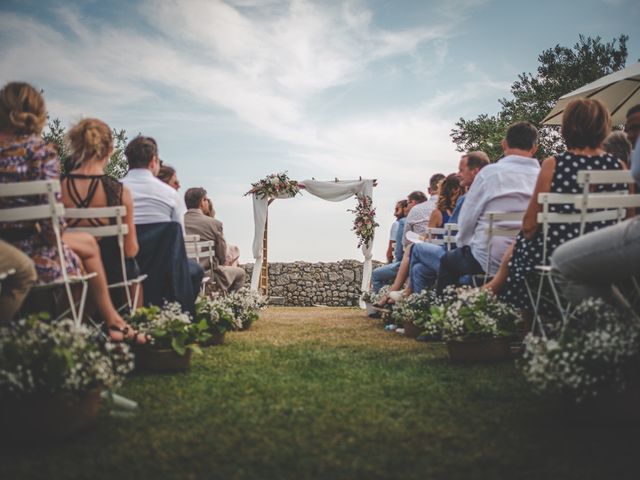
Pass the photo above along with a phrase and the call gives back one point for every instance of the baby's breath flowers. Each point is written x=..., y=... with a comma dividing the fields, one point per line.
x=42, y=357
x=170, y=327
x=595, y=351
x=416, y=309
x=467, y=314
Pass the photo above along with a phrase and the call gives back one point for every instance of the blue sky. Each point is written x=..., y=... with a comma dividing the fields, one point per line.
x=233, y=91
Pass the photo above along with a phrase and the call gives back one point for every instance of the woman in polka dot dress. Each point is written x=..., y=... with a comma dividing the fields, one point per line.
x=585, y=125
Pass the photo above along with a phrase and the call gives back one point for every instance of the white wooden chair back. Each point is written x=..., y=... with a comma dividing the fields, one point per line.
x=200, y=249
x=119, y=230
x=500, y=224
x=53, y=211
x=445, y=235
x=546, y=218
x=589, y=178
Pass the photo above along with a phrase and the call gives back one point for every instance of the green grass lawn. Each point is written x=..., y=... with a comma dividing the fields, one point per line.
x=327, y=393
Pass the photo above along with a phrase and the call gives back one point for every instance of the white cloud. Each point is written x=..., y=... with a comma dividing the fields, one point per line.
x=265, y=62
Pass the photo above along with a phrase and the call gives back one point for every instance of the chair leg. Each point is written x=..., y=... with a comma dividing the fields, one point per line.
x=83, y=300
x=564, y=311
x=536, y=321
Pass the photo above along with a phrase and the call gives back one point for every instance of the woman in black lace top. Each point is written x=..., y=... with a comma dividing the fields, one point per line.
x=87, y=186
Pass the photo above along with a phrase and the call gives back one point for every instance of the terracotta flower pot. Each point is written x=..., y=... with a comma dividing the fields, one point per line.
x=411, y=330
x=43, y=417
x=161, y=360
x=607, y=408
x=217, y=338
x=477, y=351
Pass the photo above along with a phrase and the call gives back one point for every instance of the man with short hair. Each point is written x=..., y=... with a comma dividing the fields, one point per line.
x=158, y=216
x=505, y=186
x=415, y=221
x=399, y=214
x=154, y=200
x=431, y=204
x=208, y=228
x=425, y=257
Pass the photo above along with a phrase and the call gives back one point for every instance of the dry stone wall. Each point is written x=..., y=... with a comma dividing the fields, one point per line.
x=335, y=284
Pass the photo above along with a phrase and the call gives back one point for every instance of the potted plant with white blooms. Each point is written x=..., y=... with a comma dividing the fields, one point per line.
x=414, y=314
x=172, y=338
x=245, y=305
x=591, y=362
x=476, y=326
x=51, y=375
x=218, y=316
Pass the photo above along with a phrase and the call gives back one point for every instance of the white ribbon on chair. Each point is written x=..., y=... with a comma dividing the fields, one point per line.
x=333, y=191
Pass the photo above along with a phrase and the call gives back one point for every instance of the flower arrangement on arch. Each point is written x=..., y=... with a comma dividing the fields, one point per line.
x=41, y=357
x=275, y=185
x=170, y=328
x=364, y=224
x=596, y=351
x=474, y=314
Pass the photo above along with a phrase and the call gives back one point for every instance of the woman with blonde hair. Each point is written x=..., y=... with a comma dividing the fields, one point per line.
x=90, y=142
x=24, y=156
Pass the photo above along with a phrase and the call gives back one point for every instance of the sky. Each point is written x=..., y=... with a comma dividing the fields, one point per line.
x=235, y=90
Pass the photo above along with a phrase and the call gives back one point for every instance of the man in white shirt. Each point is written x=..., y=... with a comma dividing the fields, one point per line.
x=154, y=201
x=159, y=219
x=505, y=186
x=416, y=222
x=425, y=257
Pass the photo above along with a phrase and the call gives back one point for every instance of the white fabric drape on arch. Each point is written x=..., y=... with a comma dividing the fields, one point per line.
x=332, y=191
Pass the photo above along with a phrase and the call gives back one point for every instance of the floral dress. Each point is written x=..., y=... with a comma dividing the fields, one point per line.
x=527, y=254
x=22, y=159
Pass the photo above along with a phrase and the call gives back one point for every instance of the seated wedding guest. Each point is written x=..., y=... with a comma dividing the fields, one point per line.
x=632, y=124
x=159, y=219
x=197, y=223
x=424, y=261
x=24, y=156
x=505, y=186
x=87, y=186
x=415, y=222
x=386, y=274
x=429, y=255
x=618, y=145
x=14, y=288
x=594, y=262
x=585, y=125
x=398, y=213
x=233, y=252
x=169, y=176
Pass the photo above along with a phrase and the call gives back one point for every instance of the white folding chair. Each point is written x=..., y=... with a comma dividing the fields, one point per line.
x=199, y=250
x=500, y=224
x=118, y=230
x=53, y=211
x=445, y=236
x=591, y=178
x=545, y=219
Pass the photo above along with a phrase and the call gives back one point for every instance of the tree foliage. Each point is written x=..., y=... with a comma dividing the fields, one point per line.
x=561, y=70
x=117, y=167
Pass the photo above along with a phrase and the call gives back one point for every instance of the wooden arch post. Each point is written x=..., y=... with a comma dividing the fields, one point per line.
x=263, y=285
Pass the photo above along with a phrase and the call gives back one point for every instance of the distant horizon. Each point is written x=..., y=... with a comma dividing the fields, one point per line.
x=236, y=90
